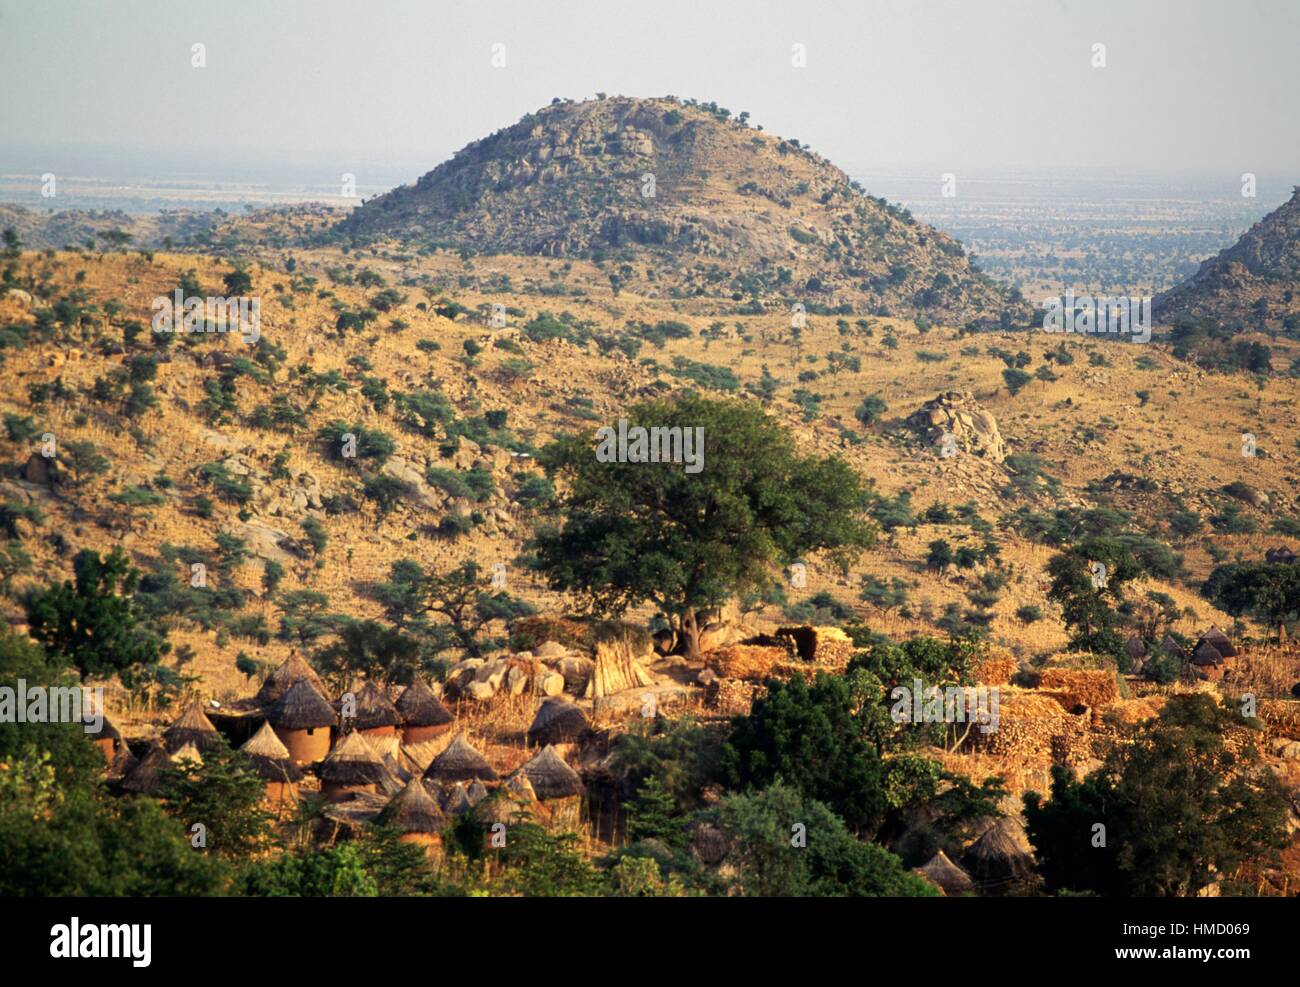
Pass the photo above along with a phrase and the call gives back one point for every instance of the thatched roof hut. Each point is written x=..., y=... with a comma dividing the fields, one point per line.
x=1206, y=653
x=1136, y=649
x=270, y=757
x=353, y=763
x=1222, y=644
x=145, y=776
x=558, y=721
x=413, y=810
x=419, y=707
x=1172, y=648
x=193, y=727
x=456, y=802
x=519, y=786
x=948, y=877
x=301, y=707
x=283, y=678
x=476, y=792
x=1002, y=857
x=550, y=777
x=459, y=762
x=502, y=807
x=122, y=764
x=374, y=710
x=190, y=753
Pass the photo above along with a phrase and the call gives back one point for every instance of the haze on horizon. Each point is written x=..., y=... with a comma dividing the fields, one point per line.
x=1188, y=86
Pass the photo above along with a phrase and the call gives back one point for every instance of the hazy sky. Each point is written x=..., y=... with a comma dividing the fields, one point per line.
x=1189, y=85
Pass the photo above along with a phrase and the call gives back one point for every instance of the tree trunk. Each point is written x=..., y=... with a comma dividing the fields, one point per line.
x=691, y=634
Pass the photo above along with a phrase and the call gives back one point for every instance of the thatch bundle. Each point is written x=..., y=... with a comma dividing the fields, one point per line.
x=373, y=709
x=1002, y=857
x=550, y=777
x=413, y=810
x=748, y=662
x=1095, y=688
x=459, y=762
x=995, y=667
x=558, y=721
x=270, y=758
x=301, y=707
x=948, y=877
x=419, y=707
x=285, y=677
x=353, y=762
x=193, y=727
x=617, y=668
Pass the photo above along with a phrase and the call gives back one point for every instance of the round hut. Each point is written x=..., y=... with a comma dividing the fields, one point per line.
x=375, y=714
x=456, y=801
x=423, y=714
x=550, y=776
x=193, y=727
x=271, y=761
x=558, y=721
x=948, y=877
x=1001, y=860
x=1220, y=642
x=302, y=718
x=459, y=762
x=284, y=678
x=414, y=811
x=352, y=766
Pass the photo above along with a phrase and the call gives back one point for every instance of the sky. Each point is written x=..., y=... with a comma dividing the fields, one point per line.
x=1188, y=86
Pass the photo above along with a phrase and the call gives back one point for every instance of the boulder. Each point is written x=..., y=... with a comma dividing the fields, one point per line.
x=957, y=412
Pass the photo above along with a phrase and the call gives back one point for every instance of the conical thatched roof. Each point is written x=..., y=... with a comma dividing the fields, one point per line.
x=946, y=876
x=106, y=731
x=301, y=708
x=550, y=777
x=374, y=708
x=123, y=763
x=144, y=778
x=456, y=801
x=476, y=792
x=353, y=762
x=459, y=762
x=187, y=753
x=413, y=810
x=519, y=786
x=1222, y=643
x=1137, y=650
x=270, y=757
x=294, y=670
x=193, y=727
x=1001, y=856
x=558, y=721
x=419, y=707
x=1206, y=654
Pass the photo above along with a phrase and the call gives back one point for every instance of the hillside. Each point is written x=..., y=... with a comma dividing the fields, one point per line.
x=680, y=198
x=1254, y=284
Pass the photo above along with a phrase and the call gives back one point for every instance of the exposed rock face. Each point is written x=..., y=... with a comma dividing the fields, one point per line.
x=959, y=414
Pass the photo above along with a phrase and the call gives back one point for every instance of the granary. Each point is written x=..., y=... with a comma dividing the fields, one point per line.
x=190, y=753
x=193, y=727
x=456, y=802
x=948, y=877
x=1001, y=860
x=1137, y=652
x=459, y=762
x=353, y=766
x=108, y=740
x=286, y=676
x=122, y=765
x=550, y=777
x=423, y=715
x=271, y=761
x=375, y=714
x=414, y=811
x=1221, y=642
x=558, y=721
x=519, y=786
x=302, y=719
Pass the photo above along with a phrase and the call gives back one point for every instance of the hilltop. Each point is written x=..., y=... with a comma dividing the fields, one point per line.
x=1254, y=284
x=681, y=198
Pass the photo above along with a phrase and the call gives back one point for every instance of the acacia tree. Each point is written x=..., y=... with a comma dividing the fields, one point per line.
x=1088, y=595
x=1269, y=591
x=689, y=541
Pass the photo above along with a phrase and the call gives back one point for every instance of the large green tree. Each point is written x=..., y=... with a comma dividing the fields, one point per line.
x=1267, y=591
x=689, y=541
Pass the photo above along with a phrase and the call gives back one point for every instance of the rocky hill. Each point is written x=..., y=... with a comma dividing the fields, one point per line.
x=1252, y=285
x=683, y=199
